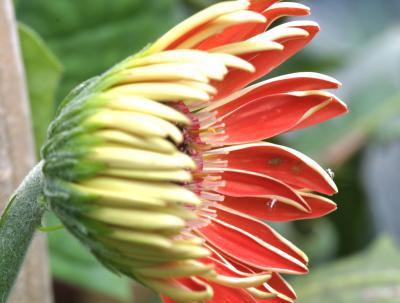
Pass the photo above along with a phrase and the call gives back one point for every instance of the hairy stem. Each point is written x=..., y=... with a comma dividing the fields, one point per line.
x=17, y=226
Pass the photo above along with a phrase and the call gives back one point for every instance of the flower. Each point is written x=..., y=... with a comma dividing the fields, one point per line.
x=159, y=167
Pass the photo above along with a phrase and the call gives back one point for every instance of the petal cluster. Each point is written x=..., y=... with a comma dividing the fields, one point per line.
x=160, y=166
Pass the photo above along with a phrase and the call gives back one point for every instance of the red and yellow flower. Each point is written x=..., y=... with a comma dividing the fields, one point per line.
x=160, y=168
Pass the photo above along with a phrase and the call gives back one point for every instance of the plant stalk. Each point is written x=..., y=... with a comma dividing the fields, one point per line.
x=17, y=226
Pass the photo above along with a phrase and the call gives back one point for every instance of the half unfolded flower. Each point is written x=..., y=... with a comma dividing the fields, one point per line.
x=158, y=167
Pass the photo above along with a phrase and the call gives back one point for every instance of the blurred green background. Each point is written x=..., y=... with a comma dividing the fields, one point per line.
x=354, y=255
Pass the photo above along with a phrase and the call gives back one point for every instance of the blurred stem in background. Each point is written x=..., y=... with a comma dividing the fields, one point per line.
x=17, y=154
x=141, y=293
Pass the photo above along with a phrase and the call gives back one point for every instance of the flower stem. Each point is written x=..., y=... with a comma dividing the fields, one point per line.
x=17, y=226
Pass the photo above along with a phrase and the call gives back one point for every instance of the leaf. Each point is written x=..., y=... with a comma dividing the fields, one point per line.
x=91, y=36
x=372, y=276
x=43, y=72
x=73, y=263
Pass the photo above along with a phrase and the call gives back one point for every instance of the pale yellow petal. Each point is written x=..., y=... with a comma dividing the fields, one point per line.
x=200, y=18
x=118, y=157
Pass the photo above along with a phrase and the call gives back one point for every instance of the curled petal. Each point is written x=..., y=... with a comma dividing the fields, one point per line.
x=231, y=295
x=246, y=184
x=249, y=249
x=261, y=231
x=276, y=11
x=275, y=210
x=228, y=276
x=279, y=162
x=277, y=285
x=283, y=9
x=272, y=115
x=260, y=6
x=333, y=109
x=303, y=81
x=239, y=32
x=292, y=35
x=185, y=268
x=275, y=289
x=180, y=290
x=194, y=24
x=320, y=206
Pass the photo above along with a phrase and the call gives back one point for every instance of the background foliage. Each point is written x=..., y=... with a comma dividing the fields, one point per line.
x=67, y=41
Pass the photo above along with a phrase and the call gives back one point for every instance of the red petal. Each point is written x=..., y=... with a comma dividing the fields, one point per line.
x=221, y=268
x=320, y=206
x=230, y=266
x=277, y=285
x=185, y=283
x=335, y=108
x=246, y=184
x=266, y=61
x=261, y=231
x=239, y=32
x=260, y=6
x=166, y=299
x=270, y=210
x=223, y=294
x=273, y=300
x=269, y=116
x=250, y=250
x=277, y=11
x=197, y=23
x=303, y=81
x=279, y=162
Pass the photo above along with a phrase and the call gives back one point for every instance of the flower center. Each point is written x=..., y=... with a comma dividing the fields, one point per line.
x=200, y=137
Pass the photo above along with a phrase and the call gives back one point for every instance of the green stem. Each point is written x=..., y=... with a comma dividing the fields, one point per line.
x=18, y=223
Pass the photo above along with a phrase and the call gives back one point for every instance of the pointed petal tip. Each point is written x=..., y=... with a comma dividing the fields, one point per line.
x=289, y=5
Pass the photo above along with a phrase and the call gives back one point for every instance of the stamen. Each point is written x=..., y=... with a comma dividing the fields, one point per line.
x=205, y=195
x=203, y=129
x=197, y=105
x=215, y=141
x=206, y=118
x=217, y=163
x=212, y=183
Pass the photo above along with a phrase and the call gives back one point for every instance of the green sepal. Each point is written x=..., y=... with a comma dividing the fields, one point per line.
x=71, y=205
x=78, y=138
x=72, y=167
x=81, y=90
x=71, y=119
x=59, y=191
x=66, y=154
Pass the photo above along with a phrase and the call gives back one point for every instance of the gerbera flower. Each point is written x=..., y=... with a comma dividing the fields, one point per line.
x=159, y=167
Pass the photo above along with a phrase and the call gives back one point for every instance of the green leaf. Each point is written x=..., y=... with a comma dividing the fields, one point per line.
x=43, y=72
x=73, y=263
x=372, y=276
